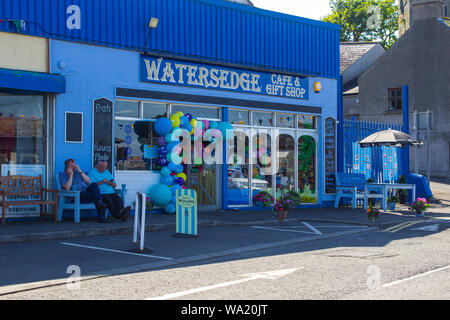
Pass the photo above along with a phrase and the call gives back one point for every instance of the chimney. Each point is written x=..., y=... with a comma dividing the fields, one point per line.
x=415, y=10
x=426, y=9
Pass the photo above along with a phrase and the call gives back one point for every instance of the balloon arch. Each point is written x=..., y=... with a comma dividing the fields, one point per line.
x=173, y=173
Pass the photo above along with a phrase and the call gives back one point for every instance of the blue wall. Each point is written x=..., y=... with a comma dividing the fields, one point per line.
x=94, y=71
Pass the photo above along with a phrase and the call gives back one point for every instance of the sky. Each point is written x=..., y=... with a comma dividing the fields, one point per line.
x=313, y=9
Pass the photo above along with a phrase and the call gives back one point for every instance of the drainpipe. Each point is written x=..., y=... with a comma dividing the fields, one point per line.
x=405, y=150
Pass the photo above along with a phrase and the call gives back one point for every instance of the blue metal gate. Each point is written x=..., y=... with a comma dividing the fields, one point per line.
x=382, y=164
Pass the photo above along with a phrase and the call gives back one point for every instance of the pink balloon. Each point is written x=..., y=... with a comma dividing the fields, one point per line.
x=206, y=123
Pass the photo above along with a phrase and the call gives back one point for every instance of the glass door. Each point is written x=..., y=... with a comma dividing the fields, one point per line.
x=262, y=177
x=286, y=164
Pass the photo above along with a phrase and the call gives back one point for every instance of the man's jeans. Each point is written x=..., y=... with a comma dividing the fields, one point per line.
x=92, y=194
x=114, y=203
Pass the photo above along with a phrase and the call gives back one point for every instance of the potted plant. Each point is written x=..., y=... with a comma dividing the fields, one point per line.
x=148, y=205
x=372, y=213
x=294, y=196
x=263, y=199
x=419, y=207
x=402, y=193
x=391, y=202
x=282, y=207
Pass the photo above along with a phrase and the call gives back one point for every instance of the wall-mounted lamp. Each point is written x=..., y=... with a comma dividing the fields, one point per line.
x=317, y=87
x=152, y=24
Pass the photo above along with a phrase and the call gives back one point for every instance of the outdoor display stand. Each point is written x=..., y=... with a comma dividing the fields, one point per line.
x=139, y=223
x=186, y=214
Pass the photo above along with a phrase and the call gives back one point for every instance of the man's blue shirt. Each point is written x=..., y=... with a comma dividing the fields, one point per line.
x=96, y=176
x=77, y=181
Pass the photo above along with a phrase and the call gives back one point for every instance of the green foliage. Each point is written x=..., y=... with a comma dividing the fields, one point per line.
x=294, y=196
x=306, y=154
x=365, y=20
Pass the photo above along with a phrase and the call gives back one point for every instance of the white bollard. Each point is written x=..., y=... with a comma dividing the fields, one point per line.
x=139, y=220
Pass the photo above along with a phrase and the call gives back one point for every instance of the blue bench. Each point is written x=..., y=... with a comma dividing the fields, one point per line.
x=349, y=185
x=70, y=200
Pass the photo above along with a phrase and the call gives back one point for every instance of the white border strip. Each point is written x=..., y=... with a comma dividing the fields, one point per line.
x=414, y=277
x=116, y=251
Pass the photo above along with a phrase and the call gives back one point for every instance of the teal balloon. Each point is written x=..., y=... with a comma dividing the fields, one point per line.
x=184, y=121
x=213, y=125
x=166, y=171
x=170, y=208
x=160, y=194
x=163, y=126
x=167, y=180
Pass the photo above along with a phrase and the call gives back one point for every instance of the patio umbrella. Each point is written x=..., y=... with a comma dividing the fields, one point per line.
x=389, y=137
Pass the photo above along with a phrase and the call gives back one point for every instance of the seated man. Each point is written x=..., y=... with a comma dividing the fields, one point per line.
x=106, y=184
x=73, y=178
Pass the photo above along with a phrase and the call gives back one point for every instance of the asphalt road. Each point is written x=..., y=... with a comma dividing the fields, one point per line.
x=294, y=261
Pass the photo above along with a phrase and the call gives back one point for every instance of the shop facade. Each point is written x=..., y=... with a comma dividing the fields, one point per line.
x=27, y=100
x=273, y=77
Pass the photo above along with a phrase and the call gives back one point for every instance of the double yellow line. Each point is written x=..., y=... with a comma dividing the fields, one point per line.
x=401, y=226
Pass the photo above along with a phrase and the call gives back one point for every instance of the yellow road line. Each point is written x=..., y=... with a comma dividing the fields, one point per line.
x=402, y=226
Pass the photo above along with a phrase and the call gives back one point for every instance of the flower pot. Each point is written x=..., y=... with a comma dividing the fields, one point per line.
x=420, y=214
x=391, y=206
x=372, y=219
x=282, y=215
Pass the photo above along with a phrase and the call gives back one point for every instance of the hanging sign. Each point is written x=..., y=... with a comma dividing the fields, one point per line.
x=167, y=71
x=330, y=155
x=103, y=134
x=186, y=211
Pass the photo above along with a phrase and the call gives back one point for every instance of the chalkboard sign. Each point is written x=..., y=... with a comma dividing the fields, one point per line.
x=103, y=132
x=74, y=127
x=330, y=155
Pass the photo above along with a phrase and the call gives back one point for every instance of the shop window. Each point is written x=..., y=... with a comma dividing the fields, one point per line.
x=240, y=117
x=263, y=119
x=285, y=178
x=285, y=120
x=307, y=181
x=238, y=178
x=395, y=99
x=307, y=122
x=208, y=113
x=154, y=110
x=22, y=133
x=127, y=109
x=262, y=170
x=135, y=144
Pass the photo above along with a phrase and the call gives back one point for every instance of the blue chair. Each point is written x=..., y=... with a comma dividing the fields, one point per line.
x=70, y=200
x=349, y=185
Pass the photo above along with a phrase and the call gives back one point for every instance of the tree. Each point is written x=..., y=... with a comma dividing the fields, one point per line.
x=365, y=20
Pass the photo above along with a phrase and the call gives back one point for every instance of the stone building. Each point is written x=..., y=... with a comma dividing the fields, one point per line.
x=419, y=59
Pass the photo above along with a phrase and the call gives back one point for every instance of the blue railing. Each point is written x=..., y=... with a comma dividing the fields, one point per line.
x=382, y=164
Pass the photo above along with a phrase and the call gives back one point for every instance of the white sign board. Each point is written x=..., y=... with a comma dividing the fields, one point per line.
x=31, y=170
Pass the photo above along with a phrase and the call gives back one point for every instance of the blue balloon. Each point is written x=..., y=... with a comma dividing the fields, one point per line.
x=189, y=116
x=174, y=189
x=179, y=169
x=160, y=194
x=184, y=121
x=163, y=126
x=170, y=208
x=171, y=145
x=166, y=171
x=163, y=162
x=162, y=151
x=174, y=199
x=188, y=127
x=167, y=180
x=172, y=166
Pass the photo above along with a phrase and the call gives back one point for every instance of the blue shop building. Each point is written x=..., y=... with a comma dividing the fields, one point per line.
x=273, y=77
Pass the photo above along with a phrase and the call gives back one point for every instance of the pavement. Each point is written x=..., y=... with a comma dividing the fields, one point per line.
x=26, y=231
